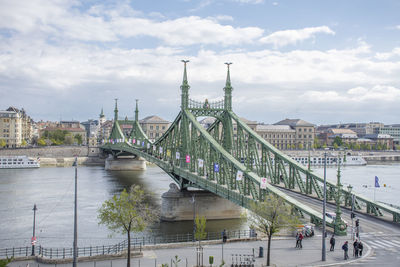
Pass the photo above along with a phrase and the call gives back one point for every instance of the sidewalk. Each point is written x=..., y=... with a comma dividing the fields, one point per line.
x=283, y=253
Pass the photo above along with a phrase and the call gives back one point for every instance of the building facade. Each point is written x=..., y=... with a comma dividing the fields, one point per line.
x=280, y=136
x=15, y=127
x=154, y=126
x=305, y=132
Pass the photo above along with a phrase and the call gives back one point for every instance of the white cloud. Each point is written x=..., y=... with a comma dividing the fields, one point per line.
x=366, y=95
x=398, y=27
x=103, y=24
x=286, y=37
x=385, y=56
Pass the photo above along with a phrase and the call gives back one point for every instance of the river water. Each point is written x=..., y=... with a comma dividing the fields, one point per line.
x=52, y=190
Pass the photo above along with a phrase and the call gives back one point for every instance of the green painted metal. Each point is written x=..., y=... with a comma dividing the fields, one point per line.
x=212, y=159
x=340, y=227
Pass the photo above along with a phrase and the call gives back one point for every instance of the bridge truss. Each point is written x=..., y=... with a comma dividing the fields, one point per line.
x=229, y=159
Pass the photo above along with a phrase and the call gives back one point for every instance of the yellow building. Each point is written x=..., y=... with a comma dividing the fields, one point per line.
x=15, y=127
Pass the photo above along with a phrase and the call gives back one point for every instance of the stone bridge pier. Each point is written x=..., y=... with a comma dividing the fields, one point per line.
x=178, y=205
x=125, y=163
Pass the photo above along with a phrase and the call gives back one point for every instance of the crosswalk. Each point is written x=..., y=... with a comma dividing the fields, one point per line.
x=379, y=241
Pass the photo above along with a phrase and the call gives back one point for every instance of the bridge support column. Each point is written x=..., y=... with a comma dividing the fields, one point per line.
x=178, y=206
x=125, y=164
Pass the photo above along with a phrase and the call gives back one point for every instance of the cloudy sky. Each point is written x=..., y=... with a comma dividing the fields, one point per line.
x=322, y=61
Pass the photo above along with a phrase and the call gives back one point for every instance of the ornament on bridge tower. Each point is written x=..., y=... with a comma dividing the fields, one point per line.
x=178, y=155
x=161, y=150
x=263, y=183
x=148, y=145
x=187, y=158
x=133, y=140
x=239, y=175
x=206, y=104
x=201, y=163
x=143, y=143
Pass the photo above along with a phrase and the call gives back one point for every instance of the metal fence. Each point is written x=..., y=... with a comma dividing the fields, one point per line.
x=136, y=245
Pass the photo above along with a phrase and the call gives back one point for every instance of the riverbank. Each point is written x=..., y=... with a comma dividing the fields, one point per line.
x=60, y=156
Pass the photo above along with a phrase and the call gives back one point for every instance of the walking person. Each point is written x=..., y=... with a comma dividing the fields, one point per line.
x=360, y=248
x=345, y=248
x=332, y=242
x=355, y=249
x=297, y=240
x=300, y=240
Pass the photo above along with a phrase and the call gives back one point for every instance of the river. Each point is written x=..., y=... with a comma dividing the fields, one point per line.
x=52, y=190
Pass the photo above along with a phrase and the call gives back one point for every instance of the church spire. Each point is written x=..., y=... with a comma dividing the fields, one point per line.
x=116, y=110
x=228, y=89
x=102, y=113
x=137, y=111
x=185, y=88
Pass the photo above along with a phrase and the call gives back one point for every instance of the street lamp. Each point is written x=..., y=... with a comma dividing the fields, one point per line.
x=33, y=235
x=75, y=254
x=194, y=217
x=323, y=213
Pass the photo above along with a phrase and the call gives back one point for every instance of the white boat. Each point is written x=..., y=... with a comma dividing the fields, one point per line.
x=18, y=162
x=331, y=161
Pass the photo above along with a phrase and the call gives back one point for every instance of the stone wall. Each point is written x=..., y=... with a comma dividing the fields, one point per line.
x=60, y=156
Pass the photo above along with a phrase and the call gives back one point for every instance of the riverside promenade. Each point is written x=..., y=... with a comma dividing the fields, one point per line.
x=283, y=253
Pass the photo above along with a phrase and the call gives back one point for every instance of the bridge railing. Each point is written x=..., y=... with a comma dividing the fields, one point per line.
x=206, y=105
x=137, y=244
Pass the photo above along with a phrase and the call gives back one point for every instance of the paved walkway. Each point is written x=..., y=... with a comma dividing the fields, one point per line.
x=283, y=253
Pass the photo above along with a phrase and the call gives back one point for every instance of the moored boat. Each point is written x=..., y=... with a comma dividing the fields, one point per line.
x=18, y=162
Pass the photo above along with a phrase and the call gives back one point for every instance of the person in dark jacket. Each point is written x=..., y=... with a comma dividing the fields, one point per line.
x=355, y=249
x=360, y=248
x=332, y=242
x=345, y=248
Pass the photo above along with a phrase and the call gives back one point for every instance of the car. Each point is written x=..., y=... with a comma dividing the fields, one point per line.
x=332, y=215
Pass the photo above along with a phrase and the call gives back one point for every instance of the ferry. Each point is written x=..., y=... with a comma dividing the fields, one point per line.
x=331, y=161
x=18, y=162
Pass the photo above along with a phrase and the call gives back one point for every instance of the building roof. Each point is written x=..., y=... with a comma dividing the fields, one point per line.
x=294, y=122
x=340, y=131
x=153, y=119
x=247, y=121
x=364, y=140
x=378, y=136
x=273, y=128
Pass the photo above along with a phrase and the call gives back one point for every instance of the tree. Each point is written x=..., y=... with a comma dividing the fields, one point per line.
x=338, y=141
x=200, y=234
x=2, y=143
x=23, y=143
x=78, y=139
x=270, y=216
x=301, y=146
x=127, y=213
x=41, y=142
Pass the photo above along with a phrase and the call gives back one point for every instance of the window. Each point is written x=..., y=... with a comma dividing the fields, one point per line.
x=163, y=127
x=151, y=127
x=299, y=129
x=157, y=127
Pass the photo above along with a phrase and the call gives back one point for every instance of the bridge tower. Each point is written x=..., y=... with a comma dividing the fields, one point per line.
x=227, y=120
x=184, y=135
x=116, y=110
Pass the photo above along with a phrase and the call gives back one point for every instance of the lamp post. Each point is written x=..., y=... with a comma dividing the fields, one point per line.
x=33, y=235
x=340, y=228
x=324, y=213
x=75, y=253
x=194, y=217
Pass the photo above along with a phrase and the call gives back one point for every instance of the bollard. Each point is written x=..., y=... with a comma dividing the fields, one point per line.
x=261, y=252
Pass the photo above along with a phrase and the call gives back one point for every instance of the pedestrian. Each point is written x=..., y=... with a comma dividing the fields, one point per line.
x=355, y=249
x=300, y=240
x=345, y=248
x=360, y=248
x=224, y=236
x=332, y=242
x=297, y=240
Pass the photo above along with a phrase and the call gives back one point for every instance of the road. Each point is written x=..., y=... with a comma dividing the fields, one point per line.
x=381, y=235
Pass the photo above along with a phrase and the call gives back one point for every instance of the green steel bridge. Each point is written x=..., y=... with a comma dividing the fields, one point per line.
x=231, y=160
